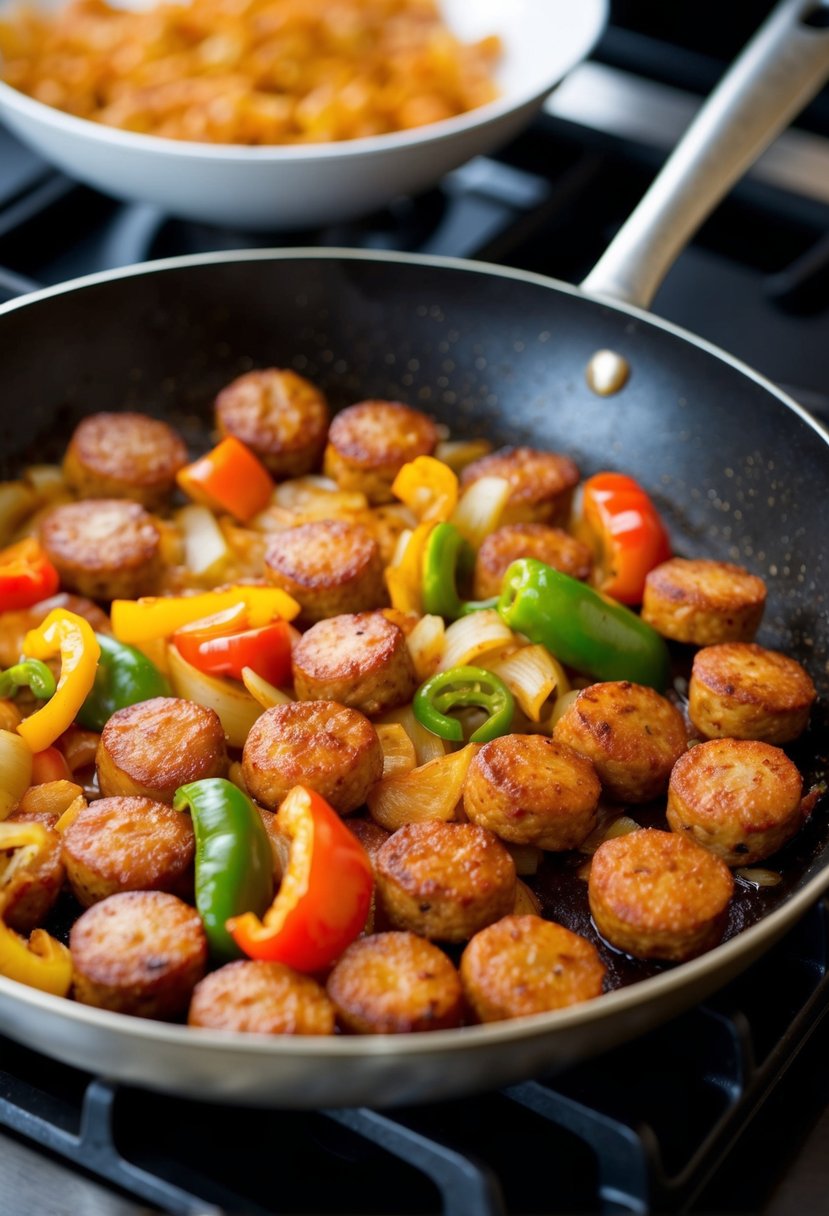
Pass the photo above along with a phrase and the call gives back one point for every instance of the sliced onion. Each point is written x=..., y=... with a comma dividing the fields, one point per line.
x=46, y=480
x=425, y=644
x=16, y=502
x=609, y=827
x=236, y=708
x=206, y=551
x=532, y=675
x=480, y=509
x=15, y=770
x=562, y=704
x=262, y=691
x=527, y=857
x=398, y=750
x=51, y=797
x=527, y=902
x=427, y=746
x=472, y=636
x=431, y=792
x=458, y=453
x=759, y=877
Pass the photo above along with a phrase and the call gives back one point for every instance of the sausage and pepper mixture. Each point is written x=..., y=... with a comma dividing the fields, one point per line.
x=288, y=729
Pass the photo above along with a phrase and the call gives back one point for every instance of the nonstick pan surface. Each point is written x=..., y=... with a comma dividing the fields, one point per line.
x=739, y=471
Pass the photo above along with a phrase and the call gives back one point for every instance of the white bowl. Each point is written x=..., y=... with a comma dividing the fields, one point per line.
x=308, y=185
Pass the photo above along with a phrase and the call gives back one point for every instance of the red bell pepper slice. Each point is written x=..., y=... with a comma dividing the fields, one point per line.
x=224, y=649
x=626, y=531
x=50, y=765
x=26, y=575
x=324, y=898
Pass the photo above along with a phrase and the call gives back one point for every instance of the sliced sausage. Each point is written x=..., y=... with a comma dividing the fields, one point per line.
x=444, y=881
x=370, y=835
x=742, y=691
x=523, y=965
x=124, y=455
x=329, y=747
x=369, y=443
x=30, y=886
x=541, y=483
x=281, y=416
x=138, y=952
x=703, y=602
x=358, y=659
x=505, y=545
x=395, y=983
x=658, y=895
x=261, y=998
x=632, y=735
x=128, y=844
x=104, y=548
x=528, y=789
x=740, y=798
x=152, y=748
x=329, y=567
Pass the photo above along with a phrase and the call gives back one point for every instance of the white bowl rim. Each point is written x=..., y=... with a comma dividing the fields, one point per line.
x=592, y=14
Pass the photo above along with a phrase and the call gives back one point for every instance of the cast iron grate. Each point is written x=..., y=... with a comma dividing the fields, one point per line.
x=641, y=1129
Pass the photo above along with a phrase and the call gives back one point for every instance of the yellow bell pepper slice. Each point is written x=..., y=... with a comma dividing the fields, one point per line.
x=428, y=487
x=144, y=620
x=42, y=962
x=70, y=636
x=404, y=577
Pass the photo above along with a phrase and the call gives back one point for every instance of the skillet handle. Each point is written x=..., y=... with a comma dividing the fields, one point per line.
x=780, y=70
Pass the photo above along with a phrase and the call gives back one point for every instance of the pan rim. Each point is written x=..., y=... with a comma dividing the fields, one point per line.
x=746, y=943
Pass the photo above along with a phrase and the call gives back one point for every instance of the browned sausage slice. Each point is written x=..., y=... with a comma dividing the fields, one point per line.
x=261, y=998
x=703, y=602
x=124, y=455
x=329, y=566
x=541, y=483
x=743, y=691
x=369, y=443
x=505, y=545
x=357, y=659
x=104, y=548
x=278, y=414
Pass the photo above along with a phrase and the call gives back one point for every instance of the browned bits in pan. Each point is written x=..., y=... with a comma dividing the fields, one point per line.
x=280, y=415
x=328, y=747
x=358, y=659
x=261, y=998
x=150, y=749
x=329, y=567
x=703, y=602
x=128, y=844
x=369, y=443
x=632, y=735
x=139, y=952
x=104, y=548
x=505, y=545
x=740, y=798
x=541, y=483
x=124, y=455
x=658, y=895
x=29, y=892
x=742, y=691
x=444, y=881
x=523, y=965
x=531, y=790
x=395, y=983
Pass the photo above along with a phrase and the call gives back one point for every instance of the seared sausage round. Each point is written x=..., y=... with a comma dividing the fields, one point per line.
x=658, y=895
x=505, y=545
x=281, y=416
x=444, y=881
x=104, y=548
x=703, y=602
x=632, y=735
x=541, y=483
x=128, y=844
x=531, y=790
x=261, y=998
x=30, y=891
x=740, y=798
x=358, y=659
x=138, y=952
x=124, y=455
x=523, y=965
x=370, y=835
x=395, y=983
x=328, y=747
x=741, y=691
x=369, y=443
x=329, y=566
x=152, y=748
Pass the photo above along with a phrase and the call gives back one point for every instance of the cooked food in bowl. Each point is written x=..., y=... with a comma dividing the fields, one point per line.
x=260, y=72
x=284, y=770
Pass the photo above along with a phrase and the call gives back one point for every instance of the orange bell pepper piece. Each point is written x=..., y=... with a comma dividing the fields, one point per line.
x=229, y=478
x=624, y=528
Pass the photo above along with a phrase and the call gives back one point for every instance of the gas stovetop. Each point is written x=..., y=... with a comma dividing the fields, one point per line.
x=724, y=1110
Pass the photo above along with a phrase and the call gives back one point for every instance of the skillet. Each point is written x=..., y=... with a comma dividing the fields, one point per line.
x=739, y=471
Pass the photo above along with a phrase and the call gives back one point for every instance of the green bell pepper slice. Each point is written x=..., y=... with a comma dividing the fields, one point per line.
x=124, y=677
x=447, y=556
x=28, y=673
x=461, y=686
x=581, y=627
x=234, y=862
